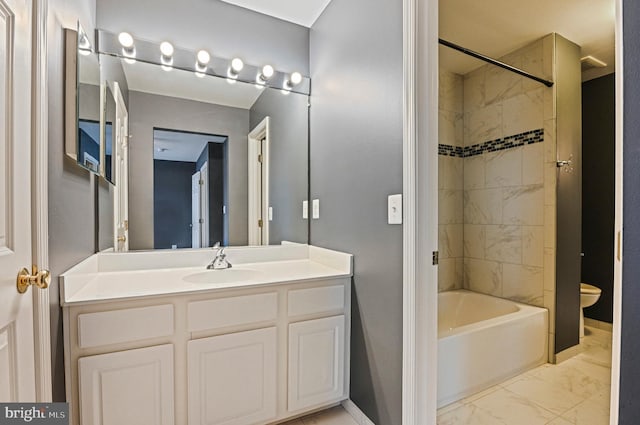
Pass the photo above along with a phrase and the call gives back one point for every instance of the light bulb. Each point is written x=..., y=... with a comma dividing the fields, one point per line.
x=203, y=57
x=166, y=67
x=267, y=71
x=237, y=64
x=126, y=40
x=231, y=80
x=199, y=74
x=296, y=78
x=166, y=49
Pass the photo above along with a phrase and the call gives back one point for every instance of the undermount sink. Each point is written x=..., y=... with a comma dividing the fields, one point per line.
x=222, y=276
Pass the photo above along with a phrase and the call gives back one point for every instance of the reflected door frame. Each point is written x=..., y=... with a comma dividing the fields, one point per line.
x=121, y=187
x=258, y=167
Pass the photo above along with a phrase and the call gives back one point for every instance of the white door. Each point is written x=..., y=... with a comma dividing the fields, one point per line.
x=133, y=387
x=316, y=362
x=204, y=206
x=195, y=210
x=232, y=378
x=258, y=151
x=17, y=376
x=121, y=192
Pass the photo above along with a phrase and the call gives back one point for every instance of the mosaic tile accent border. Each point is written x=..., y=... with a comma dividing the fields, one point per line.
x=526, y=138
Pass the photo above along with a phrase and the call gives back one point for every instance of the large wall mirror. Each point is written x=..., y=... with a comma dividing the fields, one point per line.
x=211, y=159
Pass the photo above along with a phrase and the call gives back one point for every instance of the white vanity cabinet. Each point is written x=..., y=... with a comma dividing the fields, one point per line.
x=133, y=386
x=240, y=356
x=233, y=378
x=316, y=362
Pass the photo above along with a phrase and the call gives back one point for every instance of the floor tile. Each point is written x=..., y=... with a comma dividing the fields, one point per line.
x=561, y=421
x=510, y=408
x=468, y=414
x=545, y=394
x=589, y=412
x=574, y=377
x=333, y=416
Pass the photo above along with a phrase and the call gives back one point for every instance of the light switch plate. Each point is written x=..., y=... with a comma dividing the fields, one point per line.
x=305, y=209
x=270, y=213
x=316, y=209
x=394, y=205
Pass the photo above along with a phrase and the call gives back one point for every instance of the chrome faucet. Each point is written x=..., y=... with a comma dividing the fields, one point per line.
x=220, y=261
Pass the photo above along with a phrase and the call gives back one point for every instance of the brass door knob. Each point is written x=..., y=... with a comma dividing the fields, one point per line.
x=122, y=238
x=39, y=278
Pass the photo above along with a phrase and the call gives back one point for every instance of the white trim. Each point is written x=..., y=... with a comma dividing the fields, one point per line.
x=617, y=278
x=357, y=414
x=420, y=188
x=121, y=173
x=261, y=130
x=40, y=200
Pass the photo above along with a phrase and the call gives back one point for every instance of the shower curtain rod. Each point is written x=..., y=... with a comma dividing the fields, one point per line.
x=494, y=62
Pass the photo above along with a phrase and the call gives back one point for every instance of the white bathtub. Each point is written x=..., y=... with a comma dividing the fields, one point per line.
x=484, y=340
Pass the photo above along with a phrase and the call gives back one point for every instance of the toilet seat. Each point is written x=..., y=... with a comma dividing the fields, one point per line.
x=585, y=288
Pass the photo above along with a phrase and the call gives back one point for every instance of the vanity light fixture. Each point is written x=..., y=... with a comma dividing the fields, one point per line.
x=294, y=79
x=202, y=60
x=166, y=57
x=267, y=72
x=235, y=68
x=128, y=48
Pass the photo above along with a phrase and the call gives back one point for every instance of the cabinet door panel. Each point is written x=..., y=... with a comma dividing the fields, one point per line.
x=316, y=362
x=127, y=387
x=232, y=378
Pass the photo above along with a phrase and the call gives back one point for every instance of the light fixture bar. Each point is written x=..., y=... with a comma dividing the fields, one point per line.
x=201, y=62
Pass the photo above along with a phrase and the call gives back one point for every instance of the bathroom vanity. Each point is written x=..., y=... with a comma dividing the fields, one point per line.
x=156, y=338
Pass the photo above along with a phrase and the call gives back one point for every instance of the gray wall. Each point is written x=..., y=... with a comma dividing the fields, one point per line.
x=147, y=111
x=172, y=203
x=288, y=163
x=225, y=30
x=629, y=370
x=569, y=194
x=598, y=191
x=356, y=162
x=71, y=189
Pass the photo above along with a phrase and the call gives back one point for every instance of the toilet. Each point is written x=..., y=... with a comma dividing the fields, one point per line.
x=589, y=295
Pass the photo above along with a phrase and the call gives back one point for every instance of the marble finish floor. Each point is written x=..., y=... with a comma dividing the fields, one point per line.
x=333, y=416
x=573, y=392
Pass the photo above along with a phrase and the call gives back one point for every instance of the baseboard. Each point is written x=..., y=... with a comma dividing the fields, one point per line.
x=598, y=324
x=356, y=413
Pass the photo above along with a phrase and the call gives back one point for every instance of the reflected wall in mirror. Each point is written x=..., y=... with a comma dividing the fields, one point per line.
x=189, y=156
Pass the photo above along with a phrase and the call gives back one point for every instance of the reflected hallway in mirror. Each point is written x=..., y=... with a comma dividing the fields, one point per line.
x=190, y=189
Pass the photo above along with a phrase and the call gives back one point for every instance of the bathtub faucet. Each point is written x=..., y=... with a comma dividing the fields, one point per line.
x=220, y=261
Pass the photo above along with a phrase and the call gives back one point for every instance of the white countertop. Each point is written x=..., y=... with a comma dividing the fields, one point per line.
x=156, y=273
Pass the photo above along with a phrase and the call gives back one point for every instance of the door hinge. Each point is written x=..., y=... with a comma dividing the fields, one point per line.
x=260, y=223
x=201, y=182
x=260, y=158
x=201, y=220
x=436, y=256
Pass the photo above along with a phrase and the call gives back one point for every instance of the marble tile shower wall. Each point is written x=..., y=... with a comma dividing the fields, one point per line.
x=450, y=183
x=509, y=194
